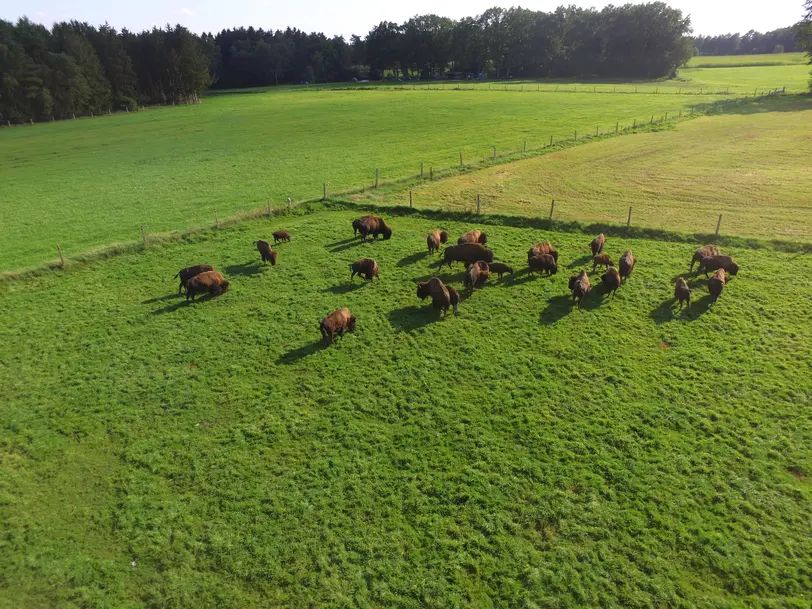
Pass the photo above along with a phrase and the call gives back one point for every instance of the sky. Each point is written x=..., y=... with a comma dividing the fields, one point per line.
x=359, y=16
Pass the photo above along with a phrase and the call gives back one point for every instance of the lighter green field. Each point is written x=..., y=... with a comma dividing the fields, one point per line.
x=519, y=454
x=733, y=61
x=752, y=167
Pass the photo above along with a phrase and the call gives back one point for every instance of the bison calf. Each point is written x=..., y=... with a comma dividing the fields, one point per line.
x=597, y=245
x=580, y=286
x=478, y=273
x=337, y=322
x=717, y=284
x=682, y=293
x=474, y=236
x=712, y=263
x=611, y=281
x=210, y=282
x=189, y=272
x=281, y=235
x=702, y=252
x=602, y=260
x=366, y=268
x=435, y=238
x=264, y=249
x=542, y=248
x=454, y=297
x=500, y=269
x=440, y=298
x=627, y=262
x=543, y=263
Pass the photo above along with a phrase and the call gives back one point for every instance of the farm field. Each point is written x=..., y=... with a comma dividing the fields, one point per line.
x=89, y=183
x=737, y=61
x=520, y=453
x=750, y=166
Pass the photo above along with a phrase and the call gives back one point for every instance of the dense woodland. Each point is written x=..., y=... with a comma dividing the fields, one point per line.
x=78, y=69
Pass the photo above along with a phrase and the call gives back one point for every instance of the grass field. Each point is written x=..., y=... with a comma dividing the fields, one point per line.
x=743, y=61
x=156, y=454
x=750, y=166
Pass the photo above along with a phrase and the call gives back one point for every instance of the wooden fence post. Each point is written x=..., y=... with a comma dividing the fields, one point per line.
x=629, y=221
x=61, y=257
x=324, y=198
x=410, y=199
x=652, y=120
x=144, y=236
x=596, y=131
x=376, y=177
x=290, y=204
x=718, y=225
x=617, y=126
x=576, y=135
x=431, y=173
x=551, y=140
x=421, y=170
x=635, y=124
x=216, y=220
x=666, y=117
x=494, y=152
x=552, y=209
x=269, y=208
x=524, y=148
x=460, y=158
x=477, y=204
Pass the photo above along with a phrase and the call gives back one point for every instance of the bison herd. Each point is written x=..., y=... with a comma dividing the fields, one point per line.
x=480, y=266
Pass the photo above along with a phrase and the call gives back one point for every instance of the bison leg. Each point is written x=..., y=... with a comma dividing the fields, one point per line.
x=180, y=288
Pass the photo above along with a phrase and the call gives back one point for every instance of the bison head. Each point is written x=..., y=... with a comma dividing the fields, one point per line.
x=573, y=281
x=387, y=232
x=351, y=323
x=422, y=290
x=734, y=269
x=483, y=238
x=443, y=237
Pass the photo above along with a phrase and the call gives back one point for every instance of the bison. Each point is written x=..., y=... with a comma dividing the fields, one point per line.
x=210, y=282
x=543, y=263
x=627, y=262
x=712, y=263
x=717, y=284
x=454, y=296
x=478, y=273
x=602, y=260
x=500, y=269
x=372, y=226
x=356, y=224
x=580, y=286
x=705, y=250
x=597, y=245
x=682, y=292
x=189, y=272
x=435, y=238
x=337, y=322
x=542, y=248
x=264, y=249
x=611, y=281
x=281, y=235
x=366, y=268
x=467, y=253
x=474, y=236
x=440, y=298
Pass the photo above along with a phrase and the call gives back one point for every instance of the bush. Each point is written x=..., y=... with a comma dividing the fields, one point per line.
x=779, y=48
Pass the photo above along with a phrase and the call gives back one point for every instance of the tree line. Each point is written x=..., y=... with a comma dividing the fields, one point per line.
x=783, y=40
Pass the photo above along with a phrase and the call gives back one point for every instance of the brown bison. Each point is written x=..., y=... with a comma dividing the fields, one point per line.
x=474, y=236
x=627, y=262
x=717, y=284
x=602, y=260
x=611, y=281
x=478, y=273
x=264, y=249
x=542, y=248
x=597, y=245
x=543, y=263
x=712, y=263
x=682, y=292
x=366, y=268
x=372, y=226
x=580, y=286
x=500, y=269
x=210, y=282
x=281, y=235
x=435, y=238
x=440, y=298
x=356, y=224
x=454, y=296
x=337, y=322
x=705, y=250
x=189, y=272
x=467, y=253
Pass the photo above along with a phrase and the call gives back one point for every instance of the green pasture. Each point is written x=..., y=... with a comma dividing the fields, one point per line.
x=521, y=453
x=737, y=61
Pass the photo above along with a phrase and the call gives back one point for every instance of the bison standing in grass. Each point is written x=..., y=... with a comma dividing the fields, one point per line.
x=337, y=322
x=454, y=296
x=265, y=251
x=372, y=226
x=435, y=238
x=717, y=284
x=440, y=298
x=542, y=248
x=209, y=282
x=366, y=268
x=474, y=236
x=627, y=262
x=189, y=272
x=597, y=245
x=601, y=260
x=543, y=263
x=682, y=292
x=467, y=253
x=579, y=285
x=500, y=269
x=611, y=281
x=281, y=235
x=476, y=276
x=712, y=263
x=356, y=224
x=702, y=252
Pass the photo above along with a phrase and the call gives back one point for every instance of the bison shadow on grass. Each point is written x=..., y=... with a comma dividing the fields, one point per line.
x=291, y=357
x=246, y=269
x=182, y=303
x=413, y=258
x=345, y=288
x=171, y=296
x=414, y=317
x=582, y=261
x=348, y=245
x=668, y=310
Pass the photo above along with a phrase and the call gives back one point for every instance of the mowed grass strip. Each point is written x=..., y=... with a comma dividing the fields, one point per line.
x=89, y=183
x=732, y=61
x=750, y=167
x=520, y=453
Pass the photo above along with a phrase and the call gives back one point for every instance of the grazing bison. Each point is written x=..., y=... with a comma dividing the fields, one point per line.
x=454, y=296
x=712, y=263
x=717, y=284
x=611, y=281
x=356, y=224
x=210, y=282
x=627, y=262
x=467, y=253
x=542, y=248
x=500, y=269
x=337, y=322
x=682, y=292
x=372, y=226
x=597, y=245
x=543, y=263
x=189, y=272
x=366, y=268
x=580, y=286
x=264, y=249
x=474, y=236
x=602, y=260
x=435, y=238
x=478, y=273
x=440, y=298
x=705, y=250
x=281, y=235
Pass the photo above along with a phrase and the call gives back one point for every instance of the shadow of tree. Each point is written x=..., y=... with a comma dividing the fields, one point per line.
x=416, y=257
x=246, y=269
x=413, y=317
x=345, y=288
x=557, y=308
x=302, y=352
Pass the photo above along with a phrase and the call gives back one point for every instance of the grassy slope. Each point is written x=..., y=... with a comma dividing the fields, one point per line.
x=518, y=454
x=92, y=182
x=780, y=59
x=751, y=167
